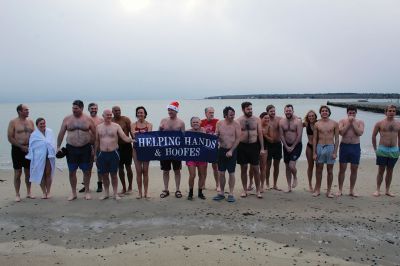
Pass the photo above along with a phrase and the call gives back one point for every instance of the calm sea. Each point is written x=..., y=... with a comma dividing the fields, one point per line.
x=55, y=112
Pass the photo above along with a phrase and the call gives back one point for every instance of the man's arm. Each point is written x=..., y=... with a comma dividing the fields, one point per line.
x=260, y=135
x=315, y=140
x=183, y=127
x=122, y=135
x=97, y=141
x=280, y=129
x=374, y=133
x=336, y=131
x=299, y=134
x=92, y=129
x=10, y=134
x=343, y=127
x=61, y=134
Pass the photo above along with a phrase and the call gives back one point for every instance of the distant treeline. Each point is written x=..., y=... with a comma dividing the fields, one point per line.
x=311, y=96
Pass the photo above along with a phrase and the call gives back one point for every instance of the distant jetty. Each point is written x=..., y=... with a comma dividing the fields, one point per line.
x=311, y=96
x=376, y=107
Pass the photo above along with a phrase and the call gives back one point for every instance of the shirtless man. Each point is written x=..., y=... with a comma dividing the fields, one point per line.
x=387, y=153
x=291, y=130
x=325, y=146
x=274, y=146
x=107, y=157
x=250, y=147
x=350, y=129
x=18, y=133
x=80, y=137
x=171, y=123
x=93, y=109
x=210, y=124
x=228, y=131
x=125, y=150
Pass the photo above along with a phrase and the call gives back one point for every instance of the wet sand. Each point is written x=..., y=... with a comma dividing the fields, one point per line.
x=280, y=229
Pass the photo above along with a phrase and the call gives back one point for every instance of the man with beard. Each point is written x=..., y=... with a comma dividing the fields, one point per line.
x=93, y=109
x=291, y=130
x=210, y=125
x=125, y=150
x=250, y=147
x=171, y=123
x=18, y=133
x=274, y=146
x=80, y=137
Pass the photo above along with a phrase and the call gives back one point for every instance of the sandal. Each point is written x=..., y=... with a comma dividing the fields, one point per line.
x=231, y=199
x=178, y=194
x=219, y=197
x=164, y=194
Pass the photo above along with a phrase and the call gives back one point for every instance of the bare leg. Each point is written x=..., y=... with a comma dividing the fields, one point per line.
x=267, y=173
x=106, y=183
x=72, y=181
x=288, y=177
x=243, y=175
x=388, y=181
x=43, y=186
x=192, y=175
x=166, y=180
x=341, y=176
x=293, y=170
x=276, y=174
x=121, y=174
x=329, y=168
x=251, y=178
x=231, y=183
x=114, y=182
x=28, y=184
x=86, y=180
x=353, y=178
x=145, y=167
x=222, y=182
x=318, y=177
x=129, y=174
x=17, y=184
x=379, y=179
x=177, y=179
x=256, y=172
x=310, y=168
x=263, y=171
x=202, y=170
x=49, y=179
x=139, y=171
x=216, y=176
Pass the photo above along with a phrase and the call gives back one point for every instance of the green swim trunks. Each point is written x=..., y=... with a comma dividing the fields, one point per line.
x=389, y=152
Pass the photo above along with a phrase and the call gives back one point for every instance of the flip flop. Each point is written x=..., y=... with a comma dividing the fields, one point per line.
x=230, y=199
x=178, y=194
x=219, y=197
x=164, y=194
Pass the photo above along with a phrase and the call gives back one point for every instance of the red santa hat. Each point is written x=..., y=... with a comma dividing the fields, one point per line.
x=174, y=106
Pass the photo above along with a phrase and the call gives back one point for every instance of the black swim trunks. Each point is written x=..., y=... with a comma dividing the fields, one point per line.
x=125, y=153
x=79, y=157
x=225, y=163
x=166, y=165
x=294, y=155
x=18, y=158
x=274, y=150
x=248, y=153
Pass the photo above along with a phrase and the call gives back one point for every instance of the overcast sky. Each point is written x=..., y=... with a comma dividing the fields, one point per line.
x=162, y=49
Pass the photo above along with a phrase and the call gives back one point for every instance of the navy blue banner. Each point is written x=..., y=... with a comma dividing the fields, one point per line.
x=176, y=145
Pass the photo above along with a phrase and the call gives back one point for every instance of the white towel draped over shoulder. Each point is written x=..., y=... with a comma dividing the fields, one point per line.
x=41, y=146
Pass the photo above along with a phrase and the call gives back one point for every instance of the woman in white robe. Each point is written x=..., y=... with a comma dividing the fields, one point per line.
x=42, y=153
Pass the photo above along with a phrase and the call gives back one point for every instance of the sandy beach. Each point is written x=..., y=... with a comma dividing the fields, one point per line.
x=280, y=229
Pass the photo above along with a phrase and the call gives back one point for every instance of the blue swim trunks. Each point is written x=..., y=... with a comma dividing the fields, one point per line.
x=349, y=153
x=324, y=153
x=387, y=156
x=107, y=162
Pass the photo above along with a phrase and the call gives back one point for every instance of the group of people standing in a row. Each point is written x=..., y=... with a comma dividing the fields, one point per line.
x=258, y=142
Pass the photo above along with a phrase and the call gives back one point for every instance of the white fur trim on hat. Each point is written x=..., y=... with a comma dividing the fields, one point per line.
x=174, y=106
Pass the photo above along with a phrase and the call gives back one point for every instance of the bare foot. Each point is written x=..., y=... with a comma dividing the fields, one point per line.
x=48, y=196
x=310, y=189
x=389, y=194
x=259, y=196
x=276, y=188
x=330, y=195
x=261, y=190
x=218, y=189
x=88, y=197
x=250, y=188
x=243, y=195
x=376, y=193
x=294, y=183
x=139, y=196
x=73, y=197
x=315, y=194
x=339, y=193
x=116, y=197
x=30, y=196
x=17, y=199
x=147, y=196
x=288, y=190
x=44, y=196
x=104, y=197
x=352, y=194
x=129, y=191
